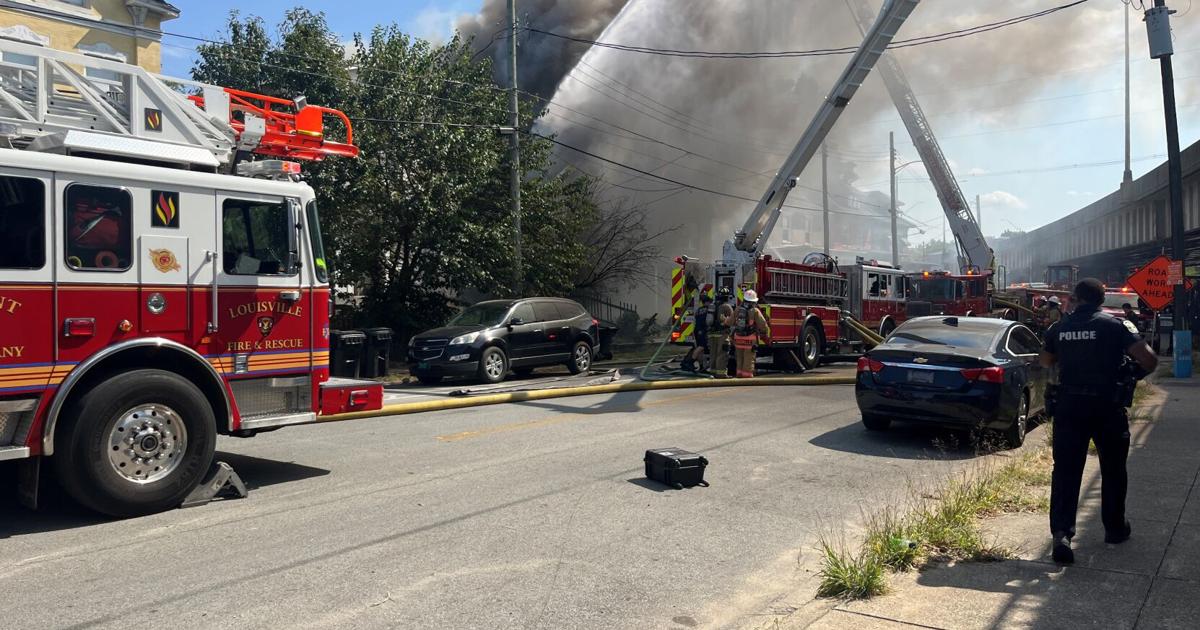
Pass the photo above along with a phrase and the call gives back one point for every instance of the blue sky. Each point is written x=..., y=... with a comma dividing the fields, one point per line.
x=1074, y=120
x=206, y=18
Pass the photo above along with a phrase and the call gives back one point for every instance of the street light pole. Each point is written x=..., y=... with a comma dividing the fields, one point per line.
x=1158, y=30
x=515, y=148
x=825, y=193
x=895, y=228
x=1128, y=177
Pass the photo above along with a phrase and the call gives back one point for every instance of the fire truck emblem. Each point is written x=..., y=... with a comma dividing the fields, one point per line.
x=153, y=119
x=164, y=260
x=265, y=324
x=166, y=209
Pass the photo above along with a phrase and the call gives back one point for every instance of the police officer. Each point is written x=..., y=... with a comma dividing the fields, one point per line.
x=1089, y=349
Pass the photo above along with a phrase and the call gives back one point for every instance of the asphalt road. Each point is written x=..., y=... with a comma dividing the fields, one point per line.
x=517, y=516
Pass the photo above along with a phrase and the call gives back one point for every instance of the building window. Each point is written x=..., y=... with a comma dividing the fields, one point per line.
x=98, y=222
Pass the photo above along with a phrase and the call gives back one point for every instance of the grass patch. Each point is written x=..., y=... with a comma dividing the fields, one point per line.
x=848, y=575
x=944, y=525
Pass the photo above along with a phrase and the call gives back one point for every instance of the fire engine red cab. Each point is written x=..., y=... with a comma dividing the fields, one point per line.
x=155, y=291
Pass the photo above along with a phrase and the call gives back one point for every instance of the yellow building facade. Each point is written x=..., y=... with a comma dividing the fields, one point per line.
x=129, y=31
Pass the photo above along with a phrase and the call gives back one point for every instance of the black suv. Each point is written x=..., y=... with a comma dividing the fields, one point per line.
x=490, y=338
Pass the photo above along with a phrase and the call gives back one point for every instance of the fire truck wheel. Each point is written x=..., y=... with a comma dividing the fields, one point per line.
x=887, y=328
x=810, y=347
x=581, y=358
x=493, y=365
x=136, y=443
x=876, y=423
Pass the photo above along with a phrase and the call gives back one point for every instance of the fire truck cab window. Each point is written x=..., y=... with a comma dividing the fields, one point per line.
x=318, y=245
x=879, y=285
x=98, y=228
x=22, y=223
x=254, y=238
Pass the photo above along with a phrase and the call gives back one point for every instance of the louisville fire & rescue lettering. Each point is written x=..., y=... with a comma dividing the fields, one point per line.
x=265, y=344
x=252, y=308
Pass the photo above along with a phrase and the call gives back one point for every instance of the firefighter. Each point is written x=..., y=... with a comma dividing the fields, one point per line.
x=705, y=317
x=748, y=323
x=718, y=334
x=1095, y=385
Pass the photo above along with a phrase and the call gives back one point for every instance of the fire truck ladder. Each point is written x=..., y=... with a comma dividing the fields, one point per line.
x=752, y=238
x=64, y=102
x=976, y=255
x=806, y=285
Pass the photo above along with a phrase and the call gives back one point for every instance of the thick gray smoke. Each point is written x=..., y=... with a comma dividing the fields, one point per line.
x=734, y=121
x=543, y=61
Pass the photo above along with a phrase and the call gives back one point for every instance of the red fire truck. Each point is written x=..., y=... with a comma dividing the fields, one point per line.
x=804, y=302
x=160, y=281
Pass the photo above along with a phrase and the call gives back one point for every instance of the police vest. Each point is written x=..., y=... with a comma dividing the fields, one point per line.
x=1090, y=347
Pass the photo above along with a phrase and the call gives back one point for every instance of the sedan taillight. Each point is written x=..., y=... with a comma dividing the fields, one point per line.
x=985, y=375
x=867, y=364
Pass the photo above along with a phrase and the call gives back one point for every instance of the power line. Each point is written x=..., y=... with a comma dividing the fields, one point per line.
x=818, y=52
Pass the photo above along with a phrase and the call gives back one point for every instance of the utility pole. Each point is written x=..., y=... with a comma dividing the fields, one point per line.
x=1128, y=178
x=1158, y=31
x=825, y=193
x=515, y=148
x=979, y=213
x=895, y=239
x=944, y=265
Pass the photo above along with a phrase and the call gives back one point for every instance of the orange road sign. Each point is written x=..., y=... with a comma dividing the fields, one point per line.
x=1153, y=283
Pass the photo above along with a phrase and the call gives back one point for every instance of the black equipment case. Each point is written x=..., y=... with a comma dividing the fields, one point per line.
x=675, y=467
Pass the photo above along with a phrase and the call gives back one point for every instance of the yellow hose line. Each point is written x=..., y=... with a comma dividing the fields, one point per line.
x=867, y=334
x=566, y=392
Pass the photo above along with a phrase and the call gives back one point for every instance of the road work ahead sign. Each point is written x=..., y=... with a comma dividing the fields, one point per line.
x=1153, y=283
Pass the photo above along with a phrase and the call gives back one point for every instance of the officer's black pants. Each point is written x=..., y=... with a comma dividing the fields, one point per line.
x=1076, y=420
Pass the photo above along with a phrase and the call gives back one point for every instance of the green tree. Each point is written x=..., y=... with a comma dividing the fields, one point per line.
x=423, y=214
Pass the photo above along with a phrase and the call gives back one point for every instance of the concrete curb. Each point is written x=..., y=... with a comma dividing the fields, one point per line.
x=567, y=392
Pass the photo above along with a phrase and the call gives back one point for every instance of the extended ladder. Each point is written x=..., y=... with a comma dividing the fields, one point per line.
x=753, y=235
x=977, y=256
x=58, y=101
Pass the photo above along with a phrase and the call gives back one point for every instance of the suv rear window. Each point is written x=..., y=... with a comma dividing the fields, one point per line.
x=566, y=310
x=546, y=312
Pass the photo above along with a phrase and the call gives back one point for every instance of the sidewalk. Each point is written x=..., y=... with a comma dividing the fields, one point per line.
x=1152, y=581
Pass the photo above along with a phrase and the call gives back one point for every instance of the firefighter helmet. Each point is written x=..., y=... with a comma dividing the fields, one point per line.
x=750, y=296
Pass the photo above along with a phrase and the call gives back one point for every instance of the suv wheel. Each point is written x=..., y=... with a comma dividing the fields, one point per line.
x=493, y=365
x=581, y=358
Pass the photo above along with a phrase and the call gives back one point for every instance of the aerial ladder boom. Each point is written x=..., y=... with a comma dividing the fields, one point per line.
x=62, y=102
x=752, y=238
x=975, y=254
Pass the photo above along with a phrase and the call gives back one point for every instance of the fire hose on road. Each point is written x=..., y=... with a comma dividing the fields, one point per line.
x=868, y=335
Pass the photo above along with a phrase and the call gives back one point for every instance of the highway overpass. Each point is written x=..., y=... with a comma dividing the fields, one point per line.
x=1112, y=236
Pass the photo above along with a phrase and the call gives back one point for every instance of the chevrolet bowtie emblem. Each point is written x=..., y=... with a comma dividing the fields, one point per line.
x=921, y=360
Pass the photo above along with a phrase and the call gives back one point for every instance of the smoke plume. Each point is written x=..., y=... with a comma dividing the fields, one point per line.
x=542, y=61
x=729, y=124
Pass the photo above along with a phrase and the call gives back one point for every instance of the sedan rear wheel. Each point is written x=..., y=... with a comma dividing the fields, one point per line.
x=1015, y=435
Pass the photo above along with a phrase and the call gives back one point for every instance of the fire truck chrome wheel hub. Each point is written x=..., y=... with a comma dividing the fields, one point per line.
x=494, y=366
x=147, y=443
